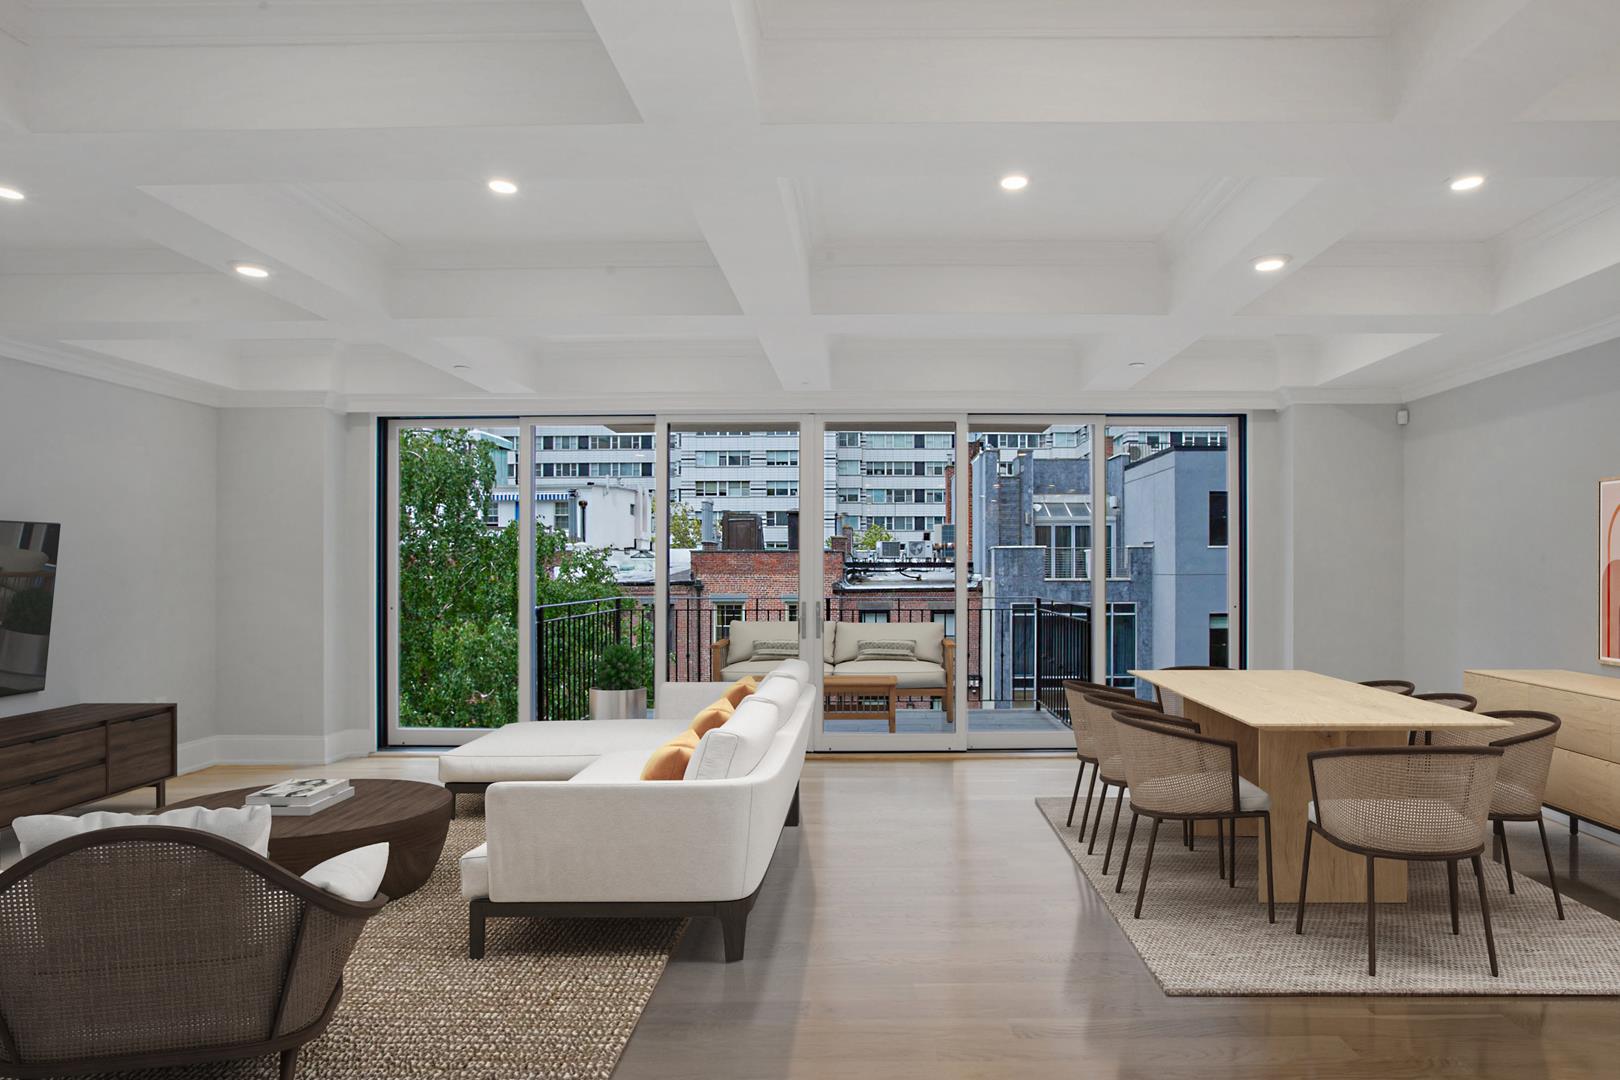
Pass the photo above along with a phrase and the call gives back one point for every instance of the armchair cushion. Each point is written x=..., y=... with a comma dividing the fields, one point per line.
x=929, y=637
x=248, y=826
x=354, y=875
x=912, y=674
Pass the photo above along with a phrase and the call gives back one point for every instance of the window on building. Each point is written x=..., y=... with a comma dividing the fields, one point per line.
x=849, y=495
x=881, y=615
x=849, y=439
x=778, y=489
x=776, y=518
x=933, y=468
x=790, y=607
x=782, y=458
x=1122, y=644
x=721, y=459
x=947, y=617
x=1067, y=550
x=1219, y=656
x=943, y=440
x=849, y=467
x=726, y=612
x=1217, y=519
x=720, y=489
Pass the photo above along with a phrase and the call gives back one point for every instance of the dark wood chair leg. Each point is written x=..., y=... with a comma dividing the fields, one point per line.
x=1074, y=800
x=1372, y=922
x=1451, y=889
x=162, y=794
x=1485, y=913
x=1574, y=825
x=1552, y=878
x=1507, y=857
x=1125, y=856
x=793, y=809
x=1108, y=852
x=1102, y=803
x=1271, y=884
x=1304, y=877
x=1192, y=836
x=475, y=931
x=1231, y=854
x=289, y=1063
x=1220, y=847
x=1147, y=864
x=734, y=928
x=1085, y=810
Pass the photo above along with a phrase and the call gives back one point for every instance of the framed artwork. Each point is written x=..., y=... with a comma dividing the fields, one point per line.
x=1609, y=571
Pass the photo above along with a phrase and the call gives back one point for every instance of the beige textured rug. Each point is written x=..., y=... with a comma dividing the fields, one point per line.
x=1200, y=937
x=550, y=999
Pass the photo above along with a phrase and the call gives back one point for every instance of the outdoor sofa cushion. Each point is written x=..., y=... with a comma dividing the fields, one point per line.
x=929, y=636
x=911, y=674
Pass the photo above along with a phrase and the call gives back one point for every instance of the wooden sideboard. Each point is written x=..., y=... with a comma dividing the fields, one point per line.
x=1585, y=778
x=59, y=758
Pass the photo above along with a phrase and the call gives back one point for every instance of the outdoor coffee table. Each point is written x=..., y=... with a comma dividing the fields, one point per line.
x=410, y=816
x=854, y=697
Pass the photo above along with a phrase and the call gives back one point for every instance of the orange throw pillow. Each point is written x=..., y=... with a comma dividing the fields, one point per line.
x=712, y=717
x=668, y=762
x=740, y=689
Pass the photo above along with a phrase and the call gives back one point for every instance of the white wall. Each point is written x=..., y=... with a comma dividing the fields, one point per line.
x=1501, y=518
x=131, y=476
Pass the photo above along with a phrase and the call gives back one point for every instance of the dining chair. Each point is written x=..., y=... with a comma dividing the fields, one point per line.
x=1449, y=698
x=1098, y=711
x=1394, y=686
x=1182, y=775
x=1084, y=749
x=1170, y=701
x=1413, y=803
x=1521, y=784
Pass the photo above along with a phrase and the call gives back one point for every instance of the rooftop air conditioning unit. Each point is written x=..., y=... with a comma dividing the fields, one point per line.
x=889, y=549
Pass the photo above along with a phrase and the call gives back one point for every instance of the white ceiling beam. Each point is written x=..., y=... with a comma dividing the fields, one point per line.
x=1212, y=272
x=1493, y=59
x=693, y=64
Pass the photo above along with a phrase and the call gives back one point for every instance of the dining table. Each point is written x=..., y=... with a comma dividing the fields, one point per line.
x=1277, y=718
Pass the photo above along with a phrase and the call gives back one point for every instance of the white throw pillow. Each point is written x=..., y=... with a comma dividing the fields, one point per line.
x=735, y=747
x=354, y=875
x=248, y=825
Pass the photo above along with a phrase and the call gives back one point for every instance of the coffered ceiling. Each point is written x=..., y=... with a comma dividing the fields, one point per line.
x=729, y=203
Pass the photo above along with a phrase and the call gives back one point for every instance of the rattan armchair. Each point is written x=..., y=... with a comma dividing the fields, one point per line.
x=1185, y=776
x=1097, y=713
x=1521, y=785
x=1451, y=699
x=151, y=946
x=1074, y=690
x=1394, y=686
x=1414, y=803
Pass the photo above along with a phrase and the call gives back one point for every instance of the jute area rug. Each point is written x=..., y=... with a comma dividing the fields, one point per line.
x=1200, y=937
x=551, y=1000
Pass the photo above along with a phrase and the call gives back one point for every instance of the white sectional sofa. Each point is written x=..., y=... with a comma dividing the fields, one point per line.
x=573, y=831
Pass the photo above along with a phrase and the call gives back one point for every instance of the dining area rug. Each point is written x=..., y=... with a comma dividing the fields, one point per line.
x=1200, y=937
x=552, y=998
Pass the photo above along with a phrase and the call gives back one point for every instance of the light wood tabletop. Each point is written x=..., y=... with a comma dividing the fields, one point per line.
x=1306, y=700
x=1277, y=719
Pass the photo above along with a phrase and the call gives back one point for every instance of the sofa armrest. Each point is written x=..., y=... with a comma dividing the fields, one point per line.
x=717, y=657
x=553, y=842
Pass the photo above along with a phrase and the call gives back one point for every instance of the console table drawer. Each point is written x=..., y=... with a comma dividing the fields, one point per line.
x=140, y=751
x=52, y=794
x=53, y=756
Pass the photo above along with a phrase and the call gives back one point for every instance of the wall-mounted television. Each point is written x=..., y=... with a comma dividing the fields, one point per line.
x=28, y=552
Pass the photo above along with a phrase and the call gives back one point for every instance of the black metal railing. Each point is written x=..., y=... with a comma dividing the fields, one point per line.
x=1019, y=651
x=568, y=639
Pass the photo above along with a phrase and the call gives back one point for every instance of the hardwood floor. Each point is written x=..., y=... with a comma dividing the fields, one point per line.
x=924, y=923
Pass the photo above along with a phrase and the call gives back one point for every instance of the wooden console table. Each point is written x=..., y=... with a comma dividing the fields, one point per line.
x=59, y=758
x=1584, y=781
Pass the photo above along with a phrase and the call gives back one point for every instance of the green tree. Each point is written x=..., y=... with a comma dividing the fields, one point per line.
x=458, y=584
x=873, y=535
x=685, y=531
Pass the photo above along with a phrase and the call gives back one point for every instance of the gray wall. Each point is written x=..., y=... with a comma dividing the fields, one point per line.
x=1501, y=518
x=131, y=477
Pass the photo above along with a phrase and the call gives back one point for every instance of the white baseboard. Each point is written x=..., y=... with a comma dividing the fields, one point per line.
x=275, y=749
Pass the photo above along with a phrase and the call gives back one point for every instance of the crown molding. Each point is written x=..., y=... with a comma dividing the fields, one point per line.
x=111, y=370
x=1546, y=349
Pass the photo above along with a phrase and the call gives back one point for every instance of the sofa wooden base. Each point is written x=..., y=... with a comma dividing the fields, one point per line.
x=733, y=916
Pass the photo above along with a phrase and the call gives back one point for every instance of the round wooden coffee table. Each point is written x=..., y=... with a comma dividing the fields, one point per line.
x=408, y=815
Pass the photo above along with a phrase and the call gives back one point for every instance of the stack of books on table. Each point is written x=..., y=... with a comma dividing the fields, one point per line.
x=300, y=798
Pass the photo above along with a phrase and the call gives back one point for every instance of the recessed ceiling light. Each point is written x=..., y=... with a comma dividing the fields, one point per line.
x=1014, y=182
x=502, y=187
x=1270, y=264
x=252, y=270
x=11, y=193
x=1471, y=182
